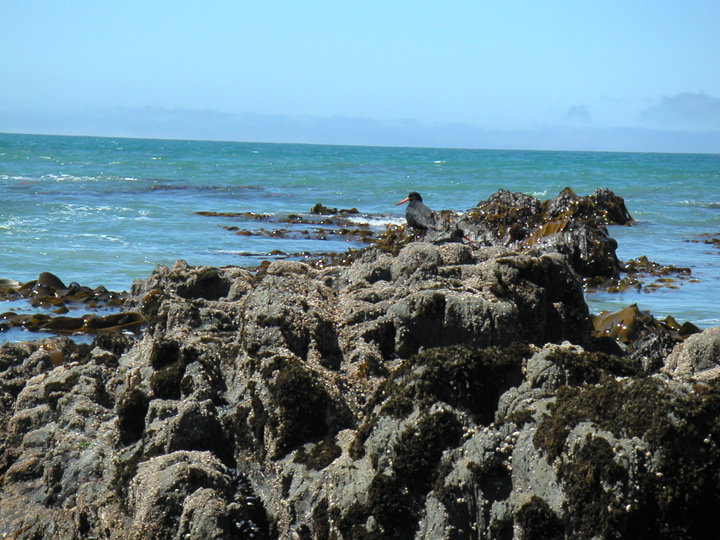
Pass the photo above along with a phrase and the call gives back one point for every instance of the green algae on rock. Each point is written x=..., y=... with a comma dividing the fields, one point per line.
x=673, y=493
x=538, y=520
x=468, y=378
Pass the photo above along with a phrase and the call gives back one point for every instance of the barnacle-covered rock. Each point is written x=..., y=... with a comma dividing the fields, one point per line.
x=418, y=389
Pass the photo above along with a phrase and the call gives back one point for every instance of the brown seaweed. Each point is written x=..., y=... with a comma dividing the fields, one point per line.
x=706, y=238
x=629, y=324
x=332, y=222
x=246, y=215
x=87, y=324
x=50, y=292
x=638, y=273
x=512, y=216
x=546, y=229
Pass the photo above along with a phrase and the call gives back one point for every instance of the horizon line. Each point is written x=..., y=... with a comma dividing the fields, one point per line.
x=405, y=146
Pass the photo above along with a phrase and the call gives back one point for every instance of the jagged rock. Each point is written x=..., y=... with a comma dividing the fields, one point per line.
x=570, y=225
x=165, y=492
x=416, y=261
x=698, y=357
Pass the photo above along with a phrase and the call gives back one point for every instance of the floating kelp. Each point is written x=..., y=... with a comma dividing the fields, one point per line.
x=714, y=241
x=639, y=272
x=644, y=265
x=332, y=223
x=49, y=291
x=710, y=239
x=341, y=220
x=320, y=233
x=87, y=324
x=628, y=325
x=246, y=215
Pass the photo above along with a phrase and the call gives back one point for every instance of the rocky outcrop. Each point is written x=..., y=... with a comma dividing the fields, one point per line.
x=697, y=358
x=571, y=225
x=447, y=391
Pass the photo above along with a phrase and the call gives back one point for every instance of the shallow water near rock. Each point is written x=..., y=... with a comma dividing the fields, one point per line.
x=104, y=211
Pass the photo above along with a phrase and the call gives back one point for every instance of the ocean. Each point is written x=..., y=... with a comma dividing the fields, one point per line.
x=105, y=211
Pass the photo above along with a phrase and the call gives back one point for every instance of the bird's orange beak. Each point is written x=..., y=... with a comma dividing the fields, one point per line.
x=403, y=201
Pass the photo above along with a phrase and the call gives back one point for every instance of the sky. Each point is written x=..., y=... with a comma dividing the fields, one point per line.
x=610, y=75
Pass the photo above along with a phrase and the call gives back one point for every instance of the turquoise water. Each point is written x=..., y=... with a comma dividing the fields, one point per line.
x=103, y=211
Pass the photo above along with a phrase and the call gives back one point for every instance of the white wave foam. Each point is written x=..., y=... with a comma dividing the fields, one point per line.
x=377, y=222
x=114, y=239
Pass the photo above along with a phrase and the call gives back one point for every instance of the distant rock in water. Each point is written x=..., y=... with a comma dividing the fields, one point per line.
x=413, y=391
x=571, y=225
x=323, y=210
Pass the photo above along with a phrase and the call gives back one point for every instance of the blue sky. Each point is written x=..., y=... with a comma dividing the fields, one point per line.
x=594, y=75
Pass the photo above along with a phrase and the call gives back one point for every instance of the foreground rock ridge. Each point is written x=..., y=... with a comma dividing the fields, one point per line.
x=432, y=390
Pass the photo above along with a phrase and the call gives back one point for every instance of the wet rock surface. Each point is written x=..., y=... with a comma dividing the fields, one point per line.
x=457, y=390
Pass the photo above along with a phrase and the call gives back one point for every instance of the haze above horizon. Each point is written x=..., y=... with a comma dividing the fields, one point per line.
x=556, y=75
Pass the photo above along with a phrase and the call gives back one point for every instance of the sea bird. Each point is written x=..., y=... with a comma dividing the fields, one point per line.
x=417, y=215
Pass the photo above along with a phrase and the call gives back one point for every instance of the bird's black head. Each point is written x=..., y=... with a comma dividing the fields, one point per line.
x=414, y=196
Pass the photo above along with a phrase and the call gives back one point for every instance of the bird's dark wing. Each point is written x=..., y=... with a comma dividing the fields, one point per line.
x=420, y=216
